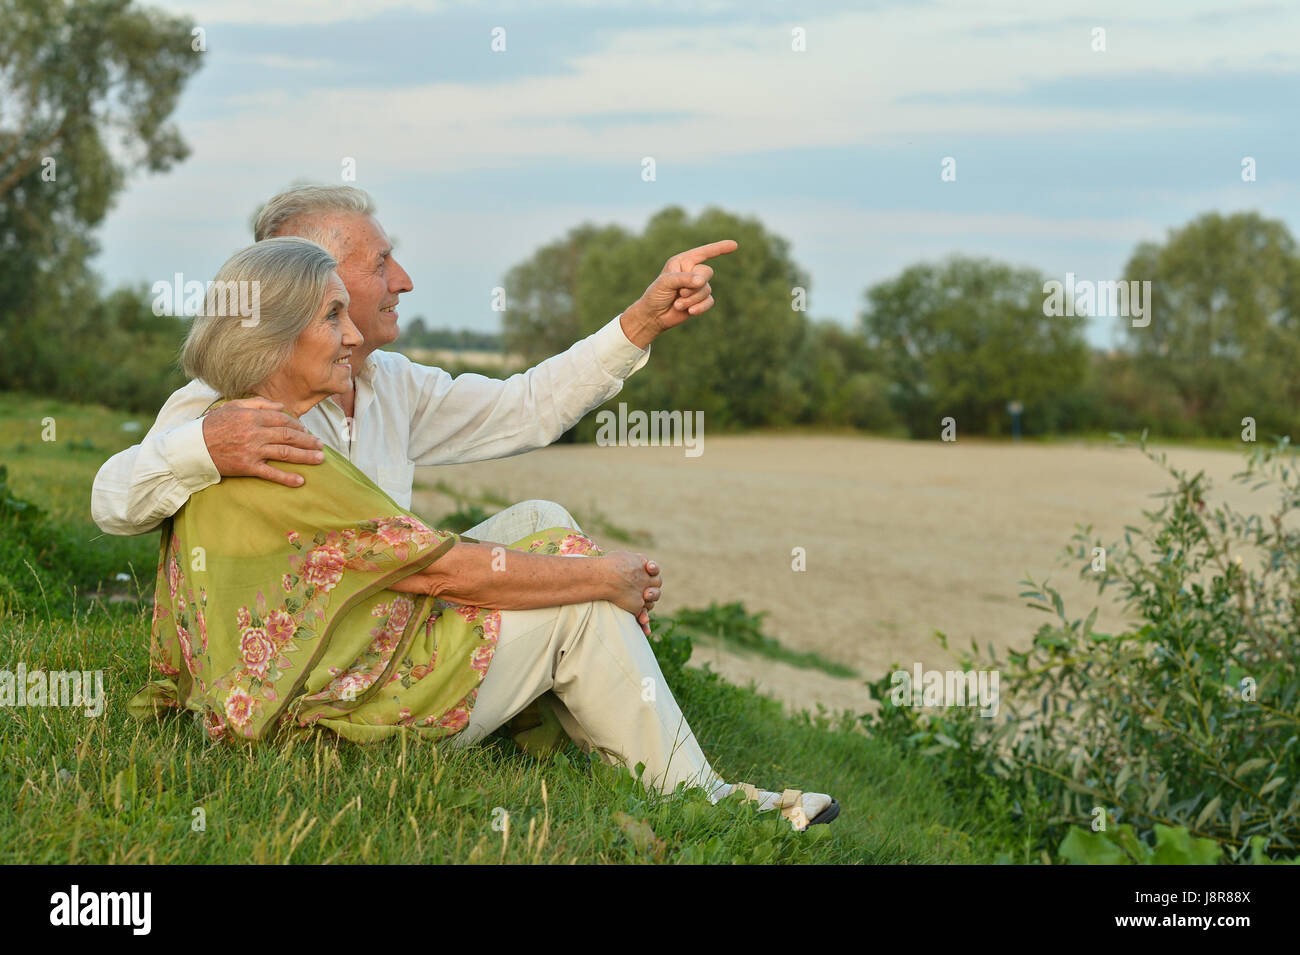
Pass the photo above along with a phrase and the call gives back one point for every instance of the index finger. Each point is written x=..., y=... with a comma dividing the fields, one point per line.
x=693, y=257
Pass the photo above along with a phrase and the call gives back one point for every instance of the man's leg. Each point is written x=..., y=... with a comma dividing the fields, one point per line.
x=520, y=520
x=598, y=663
x=515, y=523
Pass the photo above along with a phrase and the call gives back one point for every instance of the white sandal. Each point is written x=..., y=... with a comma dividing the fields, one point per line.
x=800, y=808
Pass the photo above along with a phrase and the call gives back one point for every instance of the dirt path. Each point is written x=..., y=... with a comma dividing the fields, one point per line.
x=901, y=538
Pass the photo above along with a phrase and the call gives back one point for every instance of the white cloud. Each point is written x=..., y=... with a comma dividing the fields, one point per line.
x=742, y=90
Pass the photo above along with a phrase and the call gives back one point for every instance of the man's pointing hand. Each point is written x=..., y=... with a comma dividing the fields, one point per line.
x=681, y=290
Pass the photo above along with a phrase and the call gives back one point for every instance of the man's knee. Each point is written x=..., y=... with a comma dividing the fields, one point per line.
x=549, y=514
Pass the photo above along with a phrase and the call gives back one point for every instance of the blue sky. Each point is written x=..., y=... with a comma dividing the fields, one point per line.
x=1066, y=156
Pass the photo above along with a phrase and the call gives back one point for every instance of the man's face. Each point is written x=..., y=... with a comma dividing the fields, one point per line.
x=373, y=279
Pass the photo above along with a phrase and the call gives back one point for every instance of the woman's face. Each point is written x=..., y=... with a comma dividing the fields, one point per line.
x=318, y=366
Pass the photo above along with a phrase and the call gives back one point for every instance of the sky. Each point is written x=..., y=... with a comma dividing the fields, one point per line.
x=1066, y=155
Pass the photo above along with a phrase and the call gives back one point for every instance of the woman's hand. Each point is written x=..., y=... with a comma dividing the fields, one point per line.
x=471, y=574
x=636, y=584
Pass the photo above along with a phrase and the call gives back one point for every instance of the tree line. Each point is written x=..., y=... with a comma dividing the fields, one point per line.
x=1216, y=340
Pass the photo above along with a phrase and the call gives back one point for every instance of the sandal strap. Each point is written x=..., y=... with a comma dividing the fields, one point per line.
x=790, y=798
x=750, y=791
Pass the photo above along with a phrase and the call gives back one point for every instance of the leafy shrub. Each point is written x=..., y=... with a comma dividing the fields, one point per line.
x=43, y=562
x=1121, y=846
x=1189, y=721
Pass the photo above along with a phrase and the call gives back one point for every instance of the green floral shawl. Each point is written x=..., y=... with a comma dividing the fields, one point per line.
x=272, y=615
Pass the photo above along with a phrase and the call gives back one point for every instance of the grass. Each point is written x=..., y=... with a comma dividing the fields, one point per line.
x=116, y=789
x=732, y=625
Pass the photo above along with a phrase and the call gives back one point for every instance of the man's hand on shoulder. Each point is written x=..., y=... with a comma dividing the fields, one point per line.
x=681, y=290
x=242, y=436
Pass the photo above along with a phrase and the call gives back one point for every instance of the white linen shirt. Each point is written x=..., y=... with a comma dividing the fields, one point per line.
x=406, y=415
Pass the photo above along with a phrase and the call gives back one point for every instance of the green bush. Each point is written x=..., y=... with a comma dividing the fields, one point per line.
x=44, y=563
x=1187, y=722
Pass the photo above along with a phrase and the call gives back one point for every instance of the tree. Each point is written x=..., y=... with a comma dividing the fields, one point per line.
x=72, y=74
x=541, y=317
x=965, y=337
x=1224, y=333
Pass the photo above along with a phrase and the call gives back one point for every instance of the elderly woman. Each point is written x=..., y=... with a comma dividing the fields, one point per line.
x=287, y=611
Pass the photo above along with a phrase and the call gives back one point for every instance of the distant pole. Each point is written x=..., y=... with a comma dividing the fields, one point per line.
x=1014, y=408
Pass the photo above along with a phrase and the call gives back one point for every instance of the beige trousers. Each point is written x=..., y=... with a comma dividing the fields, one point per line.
x=593, y=667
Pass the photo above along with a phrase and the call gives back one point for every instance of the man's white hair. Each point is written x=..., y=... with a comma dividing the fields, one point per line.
x=311, y=212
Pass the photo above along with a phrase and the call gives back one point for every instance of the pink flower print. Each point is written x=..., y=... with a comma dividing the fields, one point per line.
x=323, y=567
x=492, y=627
x=280, y=627
x=481, y=657
x=392, y=531
x=215, y=725
x=385, y=640
x=287, y=583
x=293, y=538
x=257, y=650
x=239, y=708
x=456, y=719
x=173, y=575
x=243, y=619
x=399, y=614
x=187, y=650
x=351, y=685
x=469, y=613
x=576, y=544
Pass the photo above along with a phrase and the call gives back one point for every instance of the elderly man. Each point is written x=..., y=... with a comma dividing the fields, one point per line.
x=399, y=414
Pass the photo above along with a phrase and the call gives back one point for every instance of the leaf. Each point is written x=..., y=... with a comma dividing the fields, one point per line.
x=1251, y=764
x=1207, y=812
x=1177, y=846
x=1087, y=624
x=640, y=834
x=1121, y=779
x=1272, y=784
x=1081, y=847
x=1158, y=795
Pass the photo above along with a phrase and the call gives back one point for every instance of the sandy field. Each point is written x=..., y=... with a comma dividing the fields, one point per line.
x=901, y=538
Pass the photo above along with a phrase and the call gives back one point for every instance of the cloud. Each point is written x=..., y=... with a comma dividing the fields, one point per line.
x=709, y=93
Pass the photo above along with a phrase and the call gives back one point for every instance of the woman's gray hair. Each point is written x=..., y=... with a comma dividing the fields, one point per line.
x=284, y=279
x=305, y=210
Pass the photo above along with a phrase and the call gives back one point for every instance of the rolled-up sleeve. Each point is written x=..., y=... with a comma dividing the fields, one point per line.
x=137, y=489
